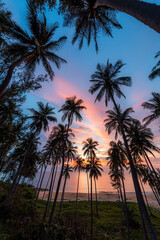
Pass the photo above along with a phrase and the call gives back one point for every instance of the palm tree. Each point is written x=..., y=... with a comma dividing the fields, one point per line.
x=60, y=136
x=78, y=165
x=31, y=48
x=147, y=13
x=89, y=148
x=66, y=174
x=154, y=105
x=95, y=169
x=40, y=120
x=141, y=142
x=117, y=162
x=71, y=109
x=112, y=122
x=89, y=21
x=106, y=80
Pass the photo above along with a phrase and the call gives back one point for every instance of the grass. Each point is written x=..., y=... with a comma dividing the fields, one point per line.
x=20, y=222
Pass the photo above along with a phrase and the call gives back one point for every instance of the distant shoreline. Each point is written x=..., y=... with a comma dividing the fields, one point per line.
x=102, y=196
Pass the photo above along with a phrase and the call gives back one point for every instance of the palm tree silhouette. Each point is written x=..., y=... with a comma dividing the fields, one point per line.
x=117, y=162
x=66, y=174
x=71, y=109
x=89, y=148
x=60, y=137
x=40, y=120
x=95, y=167
x=31, y=48
x=112, y=122
x=78, y=165
x=106, y=81
x=89, y=21
x=154, y=105
x=141, y=142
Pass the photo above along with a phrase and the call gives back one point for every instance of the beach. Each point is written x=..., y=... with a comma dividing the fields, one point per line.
x=102, y=196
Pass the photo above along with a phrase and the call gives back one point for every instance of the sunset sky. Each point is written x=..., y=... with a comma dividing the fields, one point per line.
x=136, y=44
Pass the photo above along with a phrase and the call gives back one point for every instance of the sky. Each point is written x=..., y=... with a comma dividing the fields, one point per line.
x=136, y=45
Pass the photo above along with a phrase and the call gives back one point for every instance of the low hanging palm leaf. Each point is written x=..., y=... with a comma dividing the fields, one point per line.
x=90, y=21
x=156, y=69
x=154, y=105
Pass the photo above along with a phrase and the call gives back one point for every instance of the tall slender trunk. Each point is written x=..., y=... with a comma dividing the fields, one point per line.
x=40, y=176
x=145, y=196
x=55, y=174
x=96, y=197
x=88, y=185
x=77, y=187
x=8, y=77
x=125, y=207
x=147, y=13
x=158, y=181
x=62, y=197
x=91, y=210
x=47, y=184
x=47, y=206
x=40, y=186
x=140, y=200
x=58, y=187
x=19, y=170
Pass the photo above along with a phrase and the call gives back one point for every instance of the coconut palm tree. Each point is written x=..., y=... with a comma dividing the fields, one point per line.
x=78, y=165
x=156, y=69
x=89, y=21
x=66, y=173
x=96, y=169
x=147, y=13
x=112, y=123
x=117, y=163
x=141, y=143
x=106, y=81
x=71, y=109
x=89, y=148
x=33, y=47
x=40, y=120
x=60, y=136
x=154, y=106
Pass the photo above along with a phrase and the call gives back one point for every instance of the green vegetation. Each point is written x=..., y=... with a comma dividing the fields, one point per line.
x=20, y=223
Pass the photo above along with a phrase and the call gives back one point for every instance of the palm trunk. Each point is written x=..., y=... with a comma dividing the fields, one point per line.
x=7, y=79
x=148, y=160
x=140, y=200
x=47, y=206
x=91, y=210
x=125, y=208
x=96, y=197
x=147, y=13
x=19, y=170
x=55, y=174
x=58, y=187
x=88, y=185
x=145, y=196
x=77, y=187
x=35, y=192
x=62, y=197
x=40, y=186
x=47, y=184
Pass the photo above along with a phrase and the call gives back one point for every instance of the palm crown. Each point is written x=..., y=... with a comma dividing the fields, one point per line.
x=89, y=147
x=41, y=118
x=106, y=81
x=89, y=21
x=112, y=122
x=36, y=45
x=154, y=105
x=72, y=108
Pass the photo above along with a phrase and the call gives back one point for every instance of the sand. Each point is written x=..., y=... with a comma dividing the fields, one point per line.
x=102, y=196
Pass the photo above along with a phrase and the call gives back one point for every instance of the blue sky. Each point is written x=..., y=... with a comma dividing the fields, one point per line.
x=136, y=44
